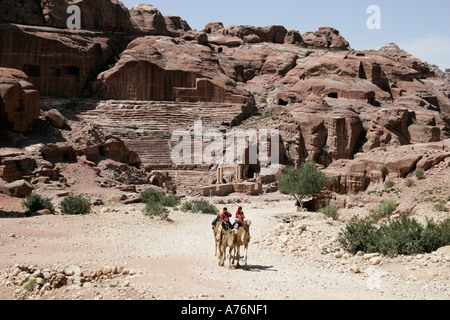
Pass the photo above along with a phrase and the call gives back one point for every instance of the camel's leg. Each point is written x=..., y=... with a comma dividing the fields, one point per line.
x=246, y=254
x=238, y=256
x=234, y=255
x=229, y=258
x=221, y=256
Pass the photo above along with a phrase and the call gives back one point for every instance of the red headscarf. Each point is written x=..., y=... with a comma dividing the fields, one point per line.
x=239, y=214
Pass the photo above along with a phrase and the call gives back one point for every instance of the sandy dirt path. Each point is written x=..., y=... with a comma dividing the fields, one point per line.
x=174, y=259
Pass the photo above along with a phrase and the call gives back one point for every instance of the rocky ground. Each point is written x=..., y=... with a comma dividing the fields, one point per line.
x=122, y=254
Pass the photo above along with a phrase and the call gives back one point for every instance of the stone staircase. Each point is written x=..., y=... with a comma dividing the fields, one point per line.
x=147, y=126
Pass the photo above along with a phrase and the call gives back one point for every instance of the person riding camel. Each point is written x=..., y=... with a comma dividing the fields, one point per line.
x=225, y=218
x=239, y=217
x=225, y=223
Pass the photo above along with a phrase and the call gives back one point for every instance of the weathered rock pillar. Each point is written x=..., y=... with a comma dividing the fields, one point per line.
x=238, y=173
x=219, y=175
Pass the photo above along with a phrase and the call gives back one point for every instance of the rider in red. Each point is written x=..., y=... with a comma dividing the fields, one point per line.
x=240, y=217
x=225, y=218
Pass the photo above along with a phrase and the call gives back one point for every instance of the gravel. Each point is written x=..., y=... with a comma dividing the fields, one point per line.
x=122, y=254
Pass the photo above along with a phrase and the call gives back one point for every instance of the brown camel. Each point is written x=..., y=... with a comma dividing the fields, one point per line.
x=215, y=229
x=229, y=240
x=243, y=239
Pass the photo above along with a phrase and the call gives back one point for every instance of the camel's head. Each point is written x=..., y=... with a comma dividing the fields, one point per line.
x=247, y=222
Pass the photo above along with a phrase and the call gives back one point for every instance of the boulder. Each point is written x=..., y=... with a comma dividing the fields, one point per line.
x=149, y=19
x=55, y=118
x=402, y=166
x=429, y=161
x=293, y=37
x=14, y=168
x=44, y=212
x=279, y=63
x=20, y=104
x=396, y=121
x=17, y=189
x=250, y=34
x=222, y=40
x=213, y=27
x=176, y=26
x=325, y=38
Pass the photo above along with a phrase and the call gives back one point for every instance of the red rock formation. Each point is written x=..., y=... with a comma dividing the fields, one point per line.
x=166, y=69
x=353, y=176
x=176, y=25
x=19, y=105
x=149, y=19
x=146, y=127
x=104, y=15
x=249, y=34
x=18, y=189
x=57, y=62
x=14, y=168
x=328, y=104
x=325, y=38
x=213, y=27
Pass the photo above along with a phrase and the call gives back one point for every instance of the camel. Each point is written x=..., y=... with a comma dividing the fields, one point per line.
x=243, y=239
x=229, y=240
x=215, y=228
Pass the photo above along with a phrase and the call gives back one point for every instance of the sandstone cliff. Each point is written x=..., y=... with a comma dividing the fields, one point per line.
x=139, y=75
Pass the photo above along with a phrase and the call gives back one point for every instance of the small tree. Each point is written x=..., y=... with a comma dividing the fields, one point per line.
x=301, y=183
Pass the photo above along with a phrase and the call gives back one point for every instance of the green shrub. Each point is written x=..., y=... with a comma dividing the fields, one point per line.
x=420, y=174
x=187, y=206
x=440, y=206
x=263, y=100
x=385, y=209
x=404, y=236
x=399, y=237
x=155, y=209
x=409, y=182
x=170, y=201
x=389, y=184
x=75, y=205
x=331, y=211
x=435, y=235
x=203, y=206
x=154, y=196
x=358, y=235
x=151, y=195
x=35, y=202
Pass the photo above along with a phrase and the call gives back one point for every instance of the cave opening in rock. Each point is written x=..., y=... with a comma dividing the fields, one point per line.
x=281, y=102
x=71, y=70
x=102, y=151
x=32, y=70
x=55, y=72
x=333, y=95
